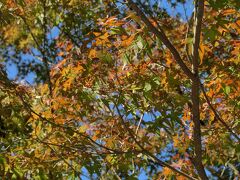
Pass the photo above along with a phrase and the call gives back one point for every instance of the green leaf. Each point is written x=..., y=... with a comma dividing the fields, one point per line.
x=117, y=30
x=147, y=87
x=140, y=43
x=211, y=34
x=227, y=90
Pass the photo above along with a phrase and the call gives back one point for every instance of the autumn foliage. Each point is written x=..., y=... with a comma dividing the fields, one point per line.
x=121, y=89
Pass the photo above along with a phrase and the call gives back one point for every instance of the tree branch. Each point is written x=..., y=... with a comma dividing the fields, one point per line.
x=65, y=127
x=60, y=156
x=161, y=35
x=198, y=16
x=155, y=158
x=217, y=114
x=45, y=52
x=197, y=159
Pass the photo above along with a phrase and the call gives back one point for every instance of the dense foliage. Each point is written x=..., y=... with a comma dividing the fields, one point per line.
x=122, y=89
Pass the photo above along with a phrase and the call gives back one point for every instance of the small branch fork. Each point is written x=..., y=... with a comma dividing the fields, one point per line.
x=161, y=35
x=152, y=156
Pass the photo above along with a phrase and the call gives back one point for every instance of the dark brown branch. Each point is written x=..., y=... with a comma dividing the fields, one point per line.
x=41, y=49
x=45, y=51
x=59, y=155
x=199, y=11
x=197, y=141
x=194, y=77
x=161, y=35
x=197, y=131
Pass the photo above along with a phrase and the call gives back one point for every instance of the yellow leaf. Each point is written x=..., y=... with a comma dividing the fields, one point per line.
x=47, y=153
x=92, y=53
x=61, y=53
x=11, y=33
x=186, y=115
x=78, y=69
x=37, y=153
x=128, y=41
x=110, y=142
x=229, y=12
x=67, y=84
x=34, y=116
x=47, y=114
x=69, y=47
x=60, y=120
x=175, y=141
x=169, y=60
x=109, y=158
x=104, y=36
x=83, y=128
x=97, y=33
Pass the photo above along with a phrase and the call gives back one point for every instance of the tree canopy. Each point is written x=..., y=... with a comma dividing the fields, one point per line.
x=122, y=89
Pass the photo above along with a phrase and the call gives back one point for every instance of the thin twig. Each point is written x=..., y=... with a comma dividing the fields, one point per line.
x=45, y=51
x=161, y=35
x=64, y=127
x=217, y=114
x=160, y=162
x=139, y=123
x=60, y=156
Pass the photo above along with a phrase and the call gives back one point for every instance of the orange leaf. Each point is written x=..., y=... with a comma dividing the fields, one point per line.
x=128, y=41
x=166, y=171
x=78, y=69
x=97, y=33
x=92, y=53
x=69, y=47
x=169, y=60
x=60, y=121
x=61, y=53
x=229, y=12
